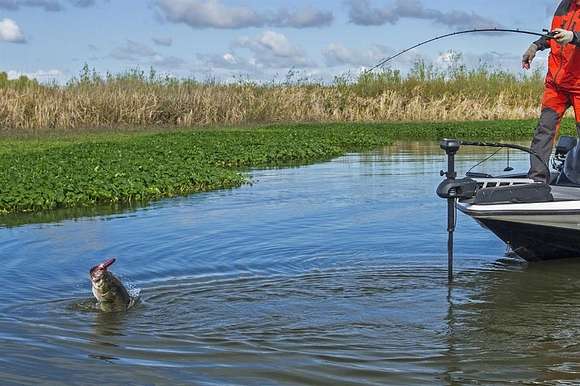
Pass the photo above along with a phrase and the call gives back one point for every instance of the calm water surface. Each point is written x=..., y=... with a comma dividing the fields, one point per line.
x=328, y=274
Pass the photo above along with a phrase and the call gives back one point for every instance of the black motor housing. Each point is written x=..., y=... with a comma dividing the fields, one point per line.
x=462, y=188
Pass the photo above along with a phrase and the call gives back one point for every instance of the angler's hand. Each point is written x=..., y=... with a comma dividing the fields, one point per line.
x=529, y=56
x=562, y=36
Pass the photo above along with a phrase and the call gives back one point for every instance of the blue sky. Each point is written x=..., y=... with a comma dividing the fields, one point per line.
x=52, y=39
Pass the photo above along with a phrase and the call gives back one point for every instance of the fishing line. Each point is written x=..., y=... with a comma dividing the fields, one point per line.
x=511, y=146
x=546, y=34
x=485, y=160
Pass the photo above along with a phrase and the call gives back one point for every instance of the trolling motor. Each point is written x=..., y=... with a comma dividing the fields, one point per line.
x=453, y=189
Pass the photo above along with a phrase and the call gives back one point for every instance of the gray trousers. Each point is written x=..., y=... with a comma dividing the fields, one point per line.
x=543, y=143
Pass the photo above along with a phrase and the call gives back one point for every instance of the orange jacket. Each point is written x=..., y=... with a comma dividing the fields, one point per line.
x=564, y=61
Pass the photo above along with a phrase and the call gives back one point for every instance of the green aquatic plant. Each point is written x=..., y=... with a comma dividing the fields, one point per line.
x=84, y=171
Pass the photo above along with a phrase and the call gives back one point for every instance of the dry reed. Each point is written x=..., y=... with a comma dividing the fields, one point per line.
x=137, y=100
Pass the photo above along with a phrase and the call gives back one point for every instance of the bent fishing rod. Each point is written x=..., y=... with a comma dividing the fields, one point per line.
x=546, y=34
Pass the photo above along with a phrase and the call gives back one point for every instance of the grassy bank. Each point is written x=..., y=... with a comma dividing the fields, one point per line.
x=137, y=99
x=82, y=171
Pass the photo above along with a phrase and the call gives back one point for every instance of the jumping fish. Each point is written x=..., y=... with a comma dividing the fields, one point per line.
x=111, y=295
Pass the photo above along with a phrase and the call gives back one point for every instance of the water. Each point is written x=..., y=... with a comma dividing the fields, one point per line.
x=328, y=274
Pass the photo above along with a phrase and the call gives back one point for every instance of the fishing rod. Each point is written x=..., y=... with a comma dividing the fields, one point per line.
x=546, y=34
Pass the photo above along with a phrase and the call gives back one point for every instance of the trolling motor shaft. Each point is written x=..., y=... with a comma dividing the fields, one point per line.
x=452, y=189
x=451, y=147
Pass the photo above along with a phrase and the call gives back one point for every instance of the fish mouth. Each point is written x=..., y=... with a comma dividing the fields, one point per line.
x=98, y=271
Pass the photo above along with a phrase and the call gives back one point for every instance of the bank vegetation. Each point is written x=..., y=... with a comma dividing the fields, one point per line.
x=139, y=99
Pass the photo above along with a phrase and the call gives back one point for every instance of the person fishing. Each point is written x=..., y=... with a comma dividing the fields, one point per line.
x=562, y=85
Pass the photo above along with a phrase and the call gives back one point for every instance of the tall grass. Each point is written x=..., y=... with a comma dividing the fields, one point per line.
x=139, y=99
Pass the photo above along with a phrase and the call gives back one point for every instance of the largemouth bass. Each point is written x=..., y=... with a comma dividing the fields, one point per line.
x=111, y=294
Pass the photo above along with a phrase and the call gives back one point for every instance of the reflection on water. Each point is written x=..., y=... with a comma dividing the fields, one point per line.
x=52, y=216
x=521, y=322
x=327, y=274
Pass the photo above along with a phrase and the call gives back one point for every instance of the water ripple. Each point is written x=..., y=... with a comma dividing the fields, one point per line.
x=327, y=274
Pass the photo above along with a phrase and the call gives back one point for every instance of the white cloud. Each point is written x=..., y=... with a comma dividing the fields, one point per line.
x=132, y=51
x=229, y=58
x=337, y=54
x=361, y=12
x=40, y=75
x=274, y=50
x=163, y=41
x=301, y=18
x=228, y=61
x=47, y=5
x=11, y=32
x=168, y=62
x=211, y=13
x=272, y=42
x=141, y=54
x=491, y=60
x=83, y=3
x=261, y=57
x=215, y=14
x=447, y=58
x=504, y=61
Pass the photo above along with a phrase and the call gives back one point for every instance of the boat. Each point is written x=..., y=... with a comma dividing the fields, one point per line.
x=537, y=220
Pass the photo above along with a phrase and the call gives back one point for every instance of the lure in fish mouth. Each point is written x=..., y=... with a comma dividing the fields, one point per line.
x=111, y=294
